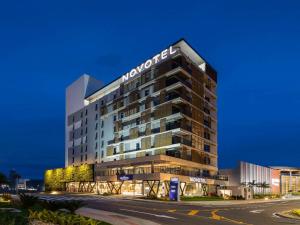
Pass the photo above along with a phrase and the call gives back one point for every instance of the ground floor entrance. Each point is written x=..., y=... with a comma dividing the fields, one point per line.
x=140, y=188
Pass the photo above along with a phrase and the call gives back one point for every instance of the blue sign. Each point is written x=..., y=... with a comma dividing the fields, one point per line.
x=125, y=177
x=174, y=189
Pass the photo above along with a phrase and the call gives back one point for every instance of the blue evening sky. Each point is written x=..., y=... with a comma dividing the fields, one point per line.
x=254, y=46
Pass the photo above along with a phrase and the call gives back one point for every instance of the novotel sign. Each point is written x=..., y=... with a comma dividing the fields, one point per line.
x=150, y=62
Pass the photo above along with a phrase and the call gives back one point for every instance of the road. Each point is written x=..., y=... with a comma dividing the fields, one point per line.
x=181, y=214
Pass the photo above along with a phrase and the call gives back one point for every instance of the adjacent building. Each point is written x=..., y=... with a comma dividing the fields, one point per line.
x=155, y=122
x=248, y=179
x=289, y=179
x=262, y=179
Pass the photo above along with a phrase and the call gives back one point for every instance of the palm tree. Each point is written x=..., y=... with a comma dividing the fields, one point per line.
x=264, y=186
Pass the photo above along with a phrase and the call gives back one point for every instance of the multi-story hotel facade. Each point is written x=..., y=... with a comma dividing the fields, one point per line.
x=156, y=122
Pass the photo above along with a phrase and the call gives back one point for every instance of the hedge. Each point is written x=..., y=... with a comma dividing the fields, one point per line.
x=55, y=179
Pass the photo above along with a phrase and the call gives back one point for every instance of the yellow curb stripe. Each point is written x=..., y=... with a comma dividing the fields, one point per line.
x=193, y=212
x=214, y=215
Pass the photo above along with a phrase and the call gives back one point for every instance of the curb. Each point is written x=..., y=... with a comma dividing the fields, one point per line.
x=285, y=214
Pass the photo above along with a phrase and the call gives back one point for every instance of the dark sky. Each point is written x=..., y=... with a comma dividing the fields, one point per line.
x=254, y=46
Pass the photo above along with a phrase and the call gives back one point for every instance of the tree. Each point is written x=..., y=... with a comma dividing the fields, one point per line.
x=264, y=186
x=14, y=179
x=3, y=179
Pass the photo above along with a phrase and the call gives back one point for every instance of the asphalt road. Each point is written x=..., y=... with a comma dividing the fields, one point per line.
x=180, y=214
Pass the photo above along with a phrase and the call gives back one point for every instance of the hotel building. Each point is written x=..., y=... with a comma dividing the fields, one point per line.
x=156, y=122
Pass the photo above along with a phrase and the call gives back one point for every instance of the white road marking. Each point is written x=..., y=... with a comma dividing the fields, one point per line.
x=257, y=211
x=151, y=214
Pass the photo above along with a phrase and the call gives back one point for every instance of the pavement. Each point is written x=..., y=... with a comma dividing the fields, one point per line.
x=113, y=218
x=256, y=212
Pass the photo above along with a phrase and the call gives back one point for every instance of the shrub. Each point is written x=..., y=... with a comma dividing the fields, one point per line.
x=28, y=201
x=60, y=218
x=8, y=218
x=52, y=205
x=72, y=206
x=296, y=212
x=106, y=194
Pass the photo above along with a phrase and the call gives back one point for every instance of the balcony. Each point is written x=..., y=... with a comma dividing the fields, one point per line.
x=180, y=140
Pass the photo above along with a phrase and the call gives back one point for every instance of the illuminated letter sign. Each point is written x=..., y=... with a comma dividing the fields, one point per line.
x=150, y=62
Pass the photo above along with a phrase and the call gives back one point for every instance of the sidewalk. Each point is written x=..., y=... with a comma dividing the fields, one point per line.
x=112, y=218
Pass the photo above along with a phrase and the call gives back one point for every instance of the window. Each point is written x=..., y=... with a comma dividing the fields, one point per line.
x=102, y=102
x=96, y=126
x=102, y=154
x=73, y=160
x=96, y=107
x=81, y=132
x=115, y=151
x=137, y=146
x=102, y=134
x=96, y=116
x=86, y=130
x=86, y=120
x=102, y=123
x=115, y=129
x=146, y=93
x=81, y=114
x=115, y=117
x=96, y=145
x=96, y=136
x=206, y=148
x=86, y=112
x=122, y=115
x=102, y=144
x=86, y=148
x=81, y=149
x=73, y=151
x=96, y=155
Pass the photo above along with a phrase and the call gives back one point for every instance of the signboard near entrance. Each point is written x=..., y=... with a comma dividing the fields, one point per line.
x=174, y=189
x=125, y=177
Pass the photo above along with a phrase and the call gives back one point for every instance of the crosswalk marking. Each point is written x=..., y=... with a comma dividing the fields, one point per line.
x=193, y=212
x=172, y=210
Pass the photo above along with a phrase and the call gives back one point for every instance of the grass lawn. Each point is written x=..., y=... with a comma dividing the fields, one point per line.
x=296, y=212
x=201, y=198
